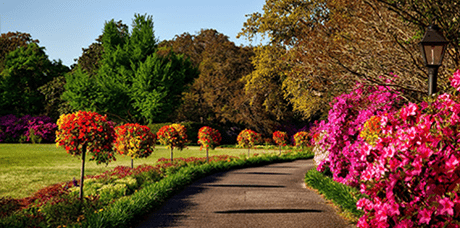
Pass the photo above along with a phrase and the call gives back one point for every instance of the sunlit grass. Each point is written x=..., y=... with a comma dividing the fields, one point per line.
x=25, y=168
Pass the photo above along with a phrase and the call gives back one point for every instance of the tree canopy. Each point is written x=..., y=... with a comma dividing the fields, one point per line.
x=135, y=81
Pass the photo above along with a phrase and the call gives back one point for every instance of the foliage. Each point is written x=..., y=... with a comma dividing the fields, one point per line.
x=209, y=137
x=173, y=136
x=86, y=129
x=281, y=138
x=134, y=81
x=302, y=139
x=25, y=70
x=424, y=12
x=11, y=41
x=342, y=195
x=134, y=140
x=340, y=133
x=14, y=129
x=248, y=138
x=320, y=49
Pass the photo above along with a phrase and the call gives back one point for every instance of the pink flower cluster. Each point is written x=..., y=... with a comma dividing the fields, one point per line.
x=406, y=160
x=412, y=173
x=346, y=118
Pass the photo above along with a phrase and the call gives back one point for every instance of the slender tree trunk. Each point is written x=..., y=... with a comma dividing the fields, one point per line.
x=207, y=155
x=132, y=164
x=172, y=154
x=82, y=176
x=280, y=150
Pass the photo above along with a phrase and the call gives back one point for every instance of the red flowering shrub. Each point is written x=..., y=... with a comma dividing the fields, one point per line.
x=281, y=138
x=173, y=136
x=248, y=138
x=302, y=139
x=209, y=137
x=134, y=140
x=86, y=129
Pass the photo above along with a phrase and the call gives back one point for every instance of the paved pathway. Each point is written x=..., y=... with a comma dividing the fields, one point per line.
x=268, y=196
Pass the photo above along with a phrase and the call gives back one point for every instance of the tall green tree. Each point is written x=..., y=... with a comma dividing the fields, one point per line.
x=135, y=81
x=25, y=70
x=11, y=41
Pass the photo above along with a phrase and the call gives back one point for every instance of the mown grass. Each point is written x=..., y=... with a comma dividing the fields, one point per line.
x=25, y=168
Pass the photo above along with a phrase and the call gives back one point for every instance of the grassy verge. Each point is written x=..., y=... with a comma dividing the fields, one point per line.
x=343, y=196
x=25, y=168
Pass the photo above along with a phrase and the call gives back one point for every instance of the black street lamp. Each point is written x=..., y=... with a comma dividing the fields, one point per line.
x=433, y=46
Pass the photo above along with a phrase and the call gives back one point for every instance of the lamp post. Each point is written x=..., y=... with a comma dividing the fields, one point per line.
x=433, y=47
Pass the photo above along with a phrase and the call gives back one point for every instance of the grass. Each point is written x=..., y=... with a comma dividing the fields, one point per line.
x=342, y=196
x=25, y=168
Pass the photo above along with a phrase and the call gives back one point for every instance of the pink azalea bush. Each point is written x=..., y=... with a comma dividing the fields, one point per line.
x=412, y=173
x=340, y=134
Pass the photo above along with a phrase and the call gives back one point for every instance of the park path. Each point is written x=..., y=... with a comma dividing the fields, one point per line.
x=268, y=196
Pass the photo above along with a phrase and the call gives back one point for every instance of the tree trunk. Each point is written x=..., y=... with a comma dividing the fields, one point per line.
x=280, y=150
x=82, y=176
x=172, y=154
x=207, y=155
x=132, y=164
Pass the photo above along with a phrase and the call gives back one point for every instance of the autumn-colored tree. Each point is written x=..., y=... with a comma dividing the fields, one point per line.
x=330, y=45
x=218, y=95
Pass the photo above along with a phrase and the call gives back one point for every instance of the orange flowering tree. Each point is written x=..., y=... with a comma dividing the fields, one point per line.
x=302, y=139
x=86, y=132
x=248, y=138
x=134, y=140
x=173, y=136
x=281, y=138
x=208, y=138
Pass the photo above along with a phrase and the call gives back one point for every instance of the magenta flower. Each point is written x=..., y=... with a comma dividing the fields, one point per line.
x=447, y=206
x=455, y=80
x=425, y=215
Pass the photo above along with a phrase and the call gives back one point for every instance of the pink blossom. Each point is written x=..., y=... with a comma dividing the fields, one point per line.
x=451, y=164
x=447, y=206
x=425, y=215
x=455, y=80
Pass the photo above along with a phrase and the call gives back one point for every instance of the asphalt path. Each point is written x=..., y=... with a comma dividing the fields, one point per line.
x=267, y=196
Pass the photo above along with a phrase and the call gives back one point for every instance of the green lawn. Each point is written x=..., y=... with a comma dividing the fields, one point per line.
x=25, y=168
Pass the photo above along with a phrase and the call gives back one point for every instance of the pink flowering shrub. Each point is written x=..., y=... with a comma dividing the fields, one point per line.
x=340, y=134
x=412, y=173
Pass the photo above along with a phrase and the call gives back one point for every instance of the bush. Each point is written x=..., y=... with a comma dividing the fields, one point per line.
x=27, y=129
x=340, y=134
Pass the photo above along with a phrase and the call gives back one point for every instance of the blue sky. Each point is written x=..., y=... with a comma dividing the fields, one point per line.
x=64, y=27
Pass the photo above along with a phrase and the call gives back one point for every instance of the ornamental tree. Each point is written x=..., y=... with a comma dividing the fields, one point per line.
x=134, y=140
x=302, y=139
x=83, y=132
x=209, y=138
x=281, y=138
x=248, y=138
x=173, y=136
